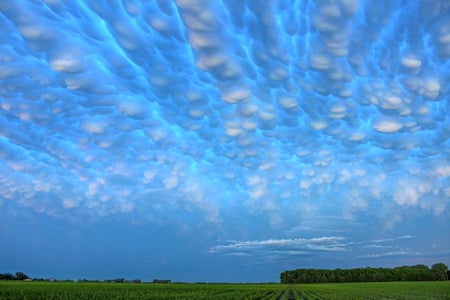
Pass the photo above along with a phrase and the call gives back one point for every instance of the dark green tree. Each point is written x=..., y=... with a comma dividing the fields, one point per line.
x=21, y=276
x=6, y=276
x=440, y=271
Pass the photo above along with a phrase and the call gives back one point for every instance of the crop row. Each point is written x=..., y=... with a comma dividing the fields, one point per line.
x=69, y=291
x=374, y=290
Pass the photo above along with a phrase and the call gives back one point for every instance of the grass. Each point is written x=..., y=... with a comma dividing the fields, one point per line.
x=10, y=290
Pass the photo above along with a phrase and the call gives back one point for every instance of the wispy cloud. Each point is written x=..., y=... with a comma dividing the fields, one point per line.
x=390, y=254
x=406, y=253
x=386, y=240
x=281, y=247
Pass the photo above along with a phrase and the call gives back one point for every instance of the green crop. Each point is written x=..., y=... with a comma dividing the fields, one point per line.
x=10, y=290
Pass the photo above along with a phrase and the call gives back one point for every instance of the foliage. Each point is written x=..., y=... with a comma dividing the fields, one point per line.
x=404, y=273
x=21, y=276
x=441, y=271
x=15, y=290
x=17, y=276
x=7, y=276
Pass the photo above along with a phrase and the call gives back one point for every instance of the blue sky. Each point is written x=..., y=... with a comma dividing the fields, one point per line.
x=222, y=140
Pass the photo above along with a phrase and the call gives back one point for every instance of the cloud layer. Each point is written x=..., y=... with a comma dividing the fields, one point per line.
x=227, y=110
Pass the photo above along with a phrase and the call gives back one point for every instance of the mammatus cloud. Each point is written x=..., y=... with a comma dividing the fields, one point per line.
x=272, y=112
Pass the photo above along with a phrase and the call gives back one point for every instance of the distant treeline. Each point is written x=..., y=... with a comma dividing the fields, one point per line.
x=17, y=276
x=22, y=276
x=438, y=271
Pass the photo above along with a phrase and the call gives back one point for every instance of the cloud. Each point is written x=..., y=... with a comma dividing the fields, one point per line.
x=274, y=113
x=393, y=239
x=338, y=247
x=281, y=247
x=387, y=125
x=391, y=254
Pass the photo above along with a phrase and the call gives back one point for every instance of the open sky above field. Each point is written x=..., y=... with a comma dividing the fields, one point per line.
x=224, y=140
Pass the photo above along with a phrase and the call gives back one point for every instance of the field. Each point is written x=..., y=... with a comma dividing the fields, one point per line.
x=68, y=290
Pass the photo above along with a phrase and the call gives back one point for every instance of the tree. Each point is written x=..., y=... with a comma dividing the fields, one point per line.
x=440, y=271
x=21, y=276
x=6, y=276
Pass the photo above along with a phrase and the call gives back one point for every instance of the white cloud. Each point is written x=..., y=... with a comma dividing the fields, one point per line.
x=406, y=196
x=94, y=126
x=389, y=254
x=69, y=203
x=319, y=244
x=387, y=125
x=411, y=62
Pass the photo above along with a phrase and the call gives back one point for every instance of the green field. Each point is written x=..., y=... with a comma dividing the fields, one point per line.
x=376, y=290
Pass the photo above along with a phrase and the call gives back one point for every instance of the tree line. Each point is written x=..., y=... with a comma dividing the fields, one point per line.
x=10, y=276
x=23, y=276
x=438, y=271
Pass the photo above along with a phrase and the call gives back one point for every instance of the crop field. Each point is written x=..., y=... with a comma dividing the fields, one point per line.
x=69, y=290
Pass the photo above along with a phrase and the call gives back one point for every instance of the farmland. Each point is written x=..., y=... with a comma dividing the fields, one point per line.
x=69, y=290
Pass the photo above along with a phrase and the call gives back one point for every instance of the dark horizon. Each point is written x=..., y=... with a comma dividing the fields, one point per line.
x=418, y=272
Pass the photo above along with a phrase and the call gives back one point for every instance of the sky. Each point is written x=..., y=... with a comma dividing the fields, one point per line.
x=228, y=141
